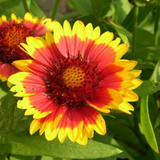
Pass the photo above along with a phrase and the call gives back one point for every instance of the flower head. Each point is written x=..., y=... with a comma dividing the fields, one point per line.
x=14, y=32
x=75, y=74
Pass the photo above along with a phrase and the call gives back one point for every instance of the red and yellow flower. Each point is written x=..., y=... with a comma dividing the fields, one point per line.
x=75, y=75
x=14, y=32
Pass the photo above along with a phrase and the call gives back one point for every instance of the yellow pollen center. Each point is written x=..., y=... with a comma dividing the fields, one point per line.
x=73, y=76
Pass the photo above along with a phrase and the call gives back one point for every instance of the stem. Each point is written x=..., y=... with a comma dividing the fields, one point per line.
x=54, y=10
x=25, y=6
x=135, y=24
x=156, y=25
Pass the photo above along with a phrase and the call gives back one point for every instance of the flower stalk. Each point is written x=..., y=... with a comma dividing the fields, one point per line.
x=135, y=24
x=156, y=25
x=54, y=10
x=25, y=6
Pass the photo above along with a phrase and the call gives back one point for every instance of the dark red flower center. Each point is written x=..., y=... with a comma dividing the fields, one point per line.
x=72, y=82
x=11, y=35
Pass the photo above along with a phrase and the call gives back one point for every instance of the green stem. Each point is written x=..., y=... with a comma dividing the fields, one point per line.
x=156, y=25
x=135, y=24
x=54, y=10
x=25, y=6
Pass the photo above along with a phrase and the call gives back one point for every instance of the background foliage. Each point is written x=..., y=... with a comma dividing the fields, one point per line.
x=135, y=137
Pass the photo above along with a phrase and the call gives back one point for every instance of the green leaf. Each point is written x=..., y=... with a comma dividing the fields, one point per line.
x=11, y=118
x=83, y=6
x=145, y=65
x=111, y=141
x=156, y=74
x=157, y=133
x=147, y=87
x=147, y=53
x=122, y=32
x=140, y=3
x=2, y=157
x=48, y=158
x=7, y=7
x=24, y=144
x=18, y=157
x=100, y=7
x=157, y=121
x=144, y=37
x=119, y=13
x=143, y=12
x=35, y=10
x=3, y=90
x=146, y=124
x=68, y=16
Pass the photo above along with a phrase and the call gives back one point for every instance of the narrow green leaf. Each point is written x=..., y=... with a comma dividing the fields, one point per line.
x=83, y=6
x=147, y=53
x=145, y=65
x=122, y=32
x=68, y=16
x=24, y=144
x=100, y=7
x=35, y=10
x=146, y=124
x=143, y=12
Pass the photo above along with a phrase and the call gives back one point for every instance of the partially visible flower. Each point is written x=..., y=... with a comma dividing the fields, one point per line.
x=75, y=75
x=14, y=32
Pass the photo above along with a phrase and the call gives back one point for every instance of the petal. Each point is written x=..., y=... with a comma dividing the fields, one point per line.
x=22, y=64
x=121, y=50
x=36, y=125
x=101, y=52
x=48, y=124
x=92, y=34
x=92, y=120
x=129, y=95
x=71, y=124
x=105, y=99
x=7, y=70
x=38, y=50
x=40, y=105
x=52, y=47
x=31, y=66
x=136, y=83
x=118, y=80
x=3, y=19
x=26, y=83
x=39, y=26
x=123, y=65
x=126, y=107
